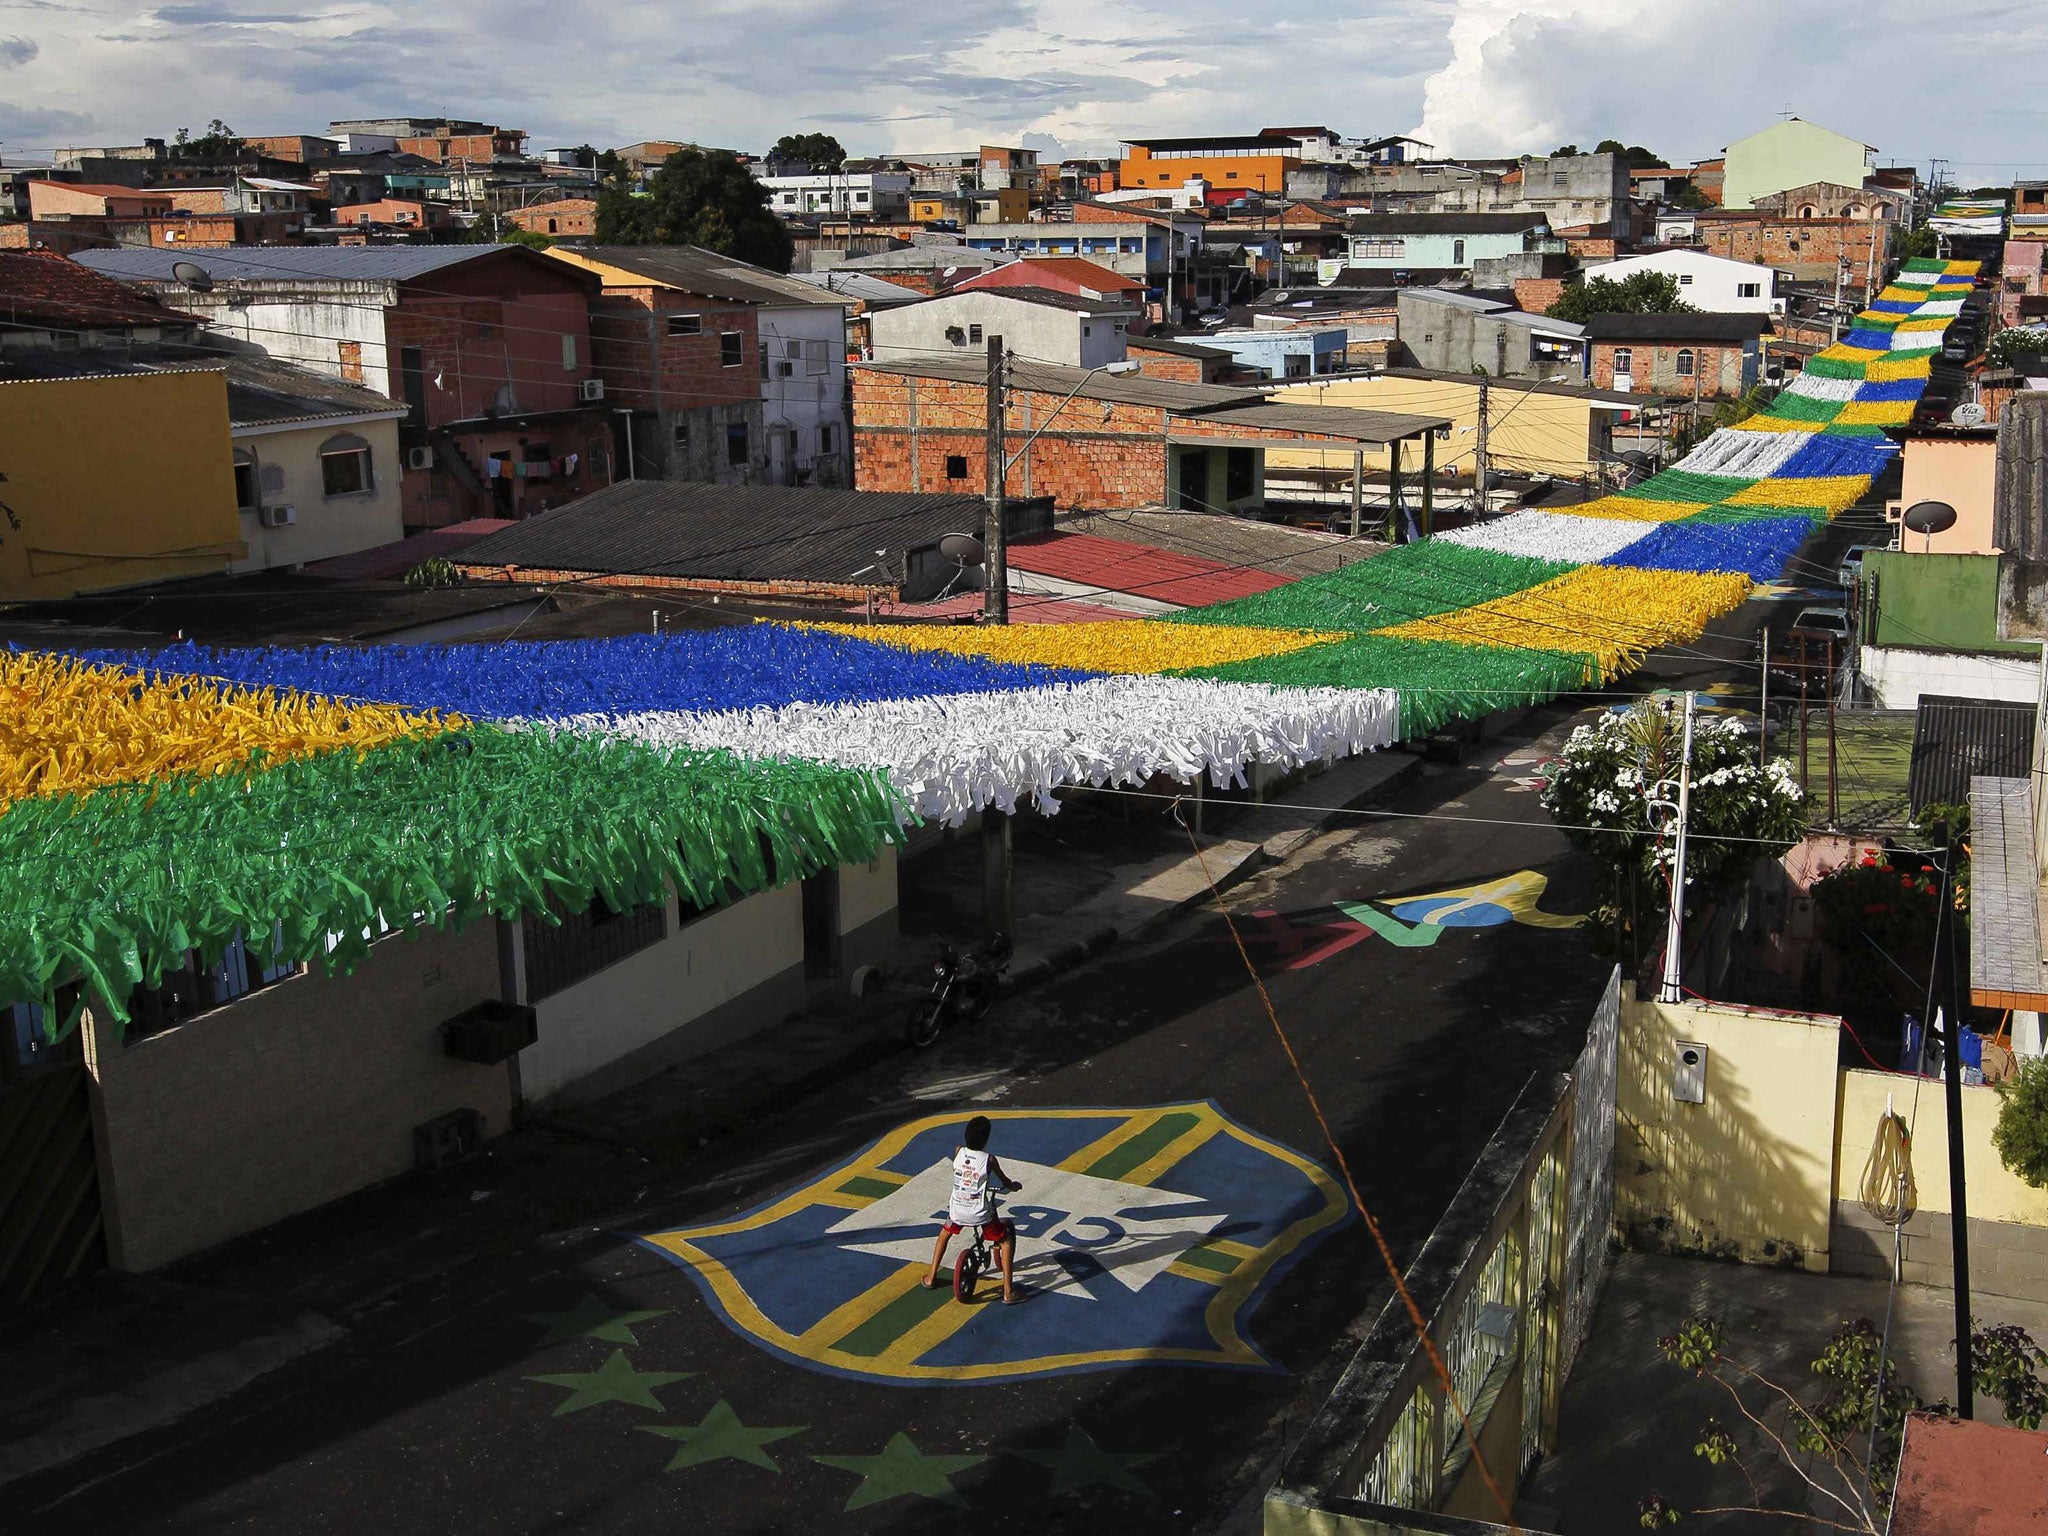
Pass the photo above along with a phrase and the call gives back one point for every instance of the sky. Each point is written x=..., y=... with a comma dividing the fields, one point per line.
x=1959, y=80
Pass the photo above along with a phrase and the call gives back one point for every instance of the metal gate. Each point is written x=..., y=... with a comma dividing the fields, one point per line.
x=50, y=1226
x=1589, y=1210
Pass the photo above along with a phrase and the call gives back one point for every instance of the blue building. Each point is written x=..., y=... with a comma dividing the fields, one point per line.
x=1285, y=354
x=1444, y=242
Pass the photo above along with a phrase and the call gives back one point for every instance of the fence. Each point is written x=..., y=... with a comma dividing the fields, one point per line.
x=1508, y=1282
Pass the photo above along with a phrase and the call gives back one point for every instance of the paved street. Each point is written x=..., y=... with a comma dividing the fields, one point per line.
x=1193, y=1263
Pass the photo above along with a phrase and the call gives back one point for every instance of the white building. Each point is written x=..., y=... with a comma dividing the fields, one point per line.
x=1710, y=283
x=1035, y=323
x=881, y=194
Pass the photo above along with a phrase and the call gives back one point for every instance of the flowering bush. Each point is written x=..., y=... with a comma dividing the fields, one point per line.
x=1894, y=904
x=1600, y=791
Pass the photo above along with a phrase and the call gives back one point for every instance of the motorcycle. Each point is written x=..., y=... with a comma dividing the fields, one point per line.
x=964, y=986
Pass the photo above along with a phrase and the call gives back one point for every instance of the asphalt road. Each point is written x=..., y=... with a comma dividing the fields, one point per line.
x=1184, y=1205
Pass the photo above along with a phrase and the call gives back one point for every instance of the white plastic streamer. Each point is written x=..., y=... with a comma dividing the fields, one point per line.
x=1732, y=451
x=955, y=754
x=1915, y=341
x=1814, y=387
x=1551, y=536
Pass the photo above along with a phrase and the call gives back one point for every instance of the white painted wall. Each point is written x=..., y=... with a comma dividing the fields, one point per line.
x=867, y=891
x=804, y=349
x=1705, y=282
x=866, y=192
x=302, y=324
x=660, y=990
x=288, y=474
x=1039, y=332
x=1898, y=677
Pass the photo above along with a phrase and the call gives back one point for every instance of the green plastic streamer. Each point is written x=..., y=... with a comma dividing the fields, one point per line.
x=1412, y=581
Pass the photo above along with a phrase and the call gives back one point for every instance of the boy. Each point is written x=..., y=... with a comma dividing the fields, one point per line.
x=977, y=1179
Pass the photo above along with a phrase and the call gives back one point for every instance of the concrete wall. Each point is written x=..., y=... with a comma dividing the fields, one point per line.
x=1277, y=354
x=1748, y=1173
x=713, y=980
x=1933, y=602
x=1896, y=677
x=1706, y=282
x=1039, y=332
x=116, y=480
x=1962, y=471
x=288, y=473
x=1790, y=154
x=867, y=911
x=809, y=394
x=2008, y=1219
x=314, y=324
x=287, y=1098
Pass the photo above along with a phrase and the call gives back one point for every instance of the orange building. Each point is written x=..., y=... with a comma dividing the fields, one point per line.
x=1251, y=163
x=573, y=216
x=66, y=199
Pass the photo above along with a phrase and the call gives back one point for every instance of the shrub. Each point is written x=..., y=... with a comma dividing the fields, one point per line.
x=2021, y=1134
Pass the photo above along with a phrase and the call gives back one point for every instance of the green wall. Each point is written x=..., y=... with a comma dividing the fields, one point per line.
x=1934, y=602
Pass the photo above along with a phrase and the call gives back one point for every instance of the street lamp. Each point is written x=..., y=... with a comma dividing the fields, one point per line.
x=996, y=593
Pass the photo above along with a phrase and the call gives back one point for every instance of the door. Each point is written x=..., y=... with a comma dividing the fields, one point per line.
x=1194, y=479
x=51, y=1231
x=781, y=457
x=821, y=925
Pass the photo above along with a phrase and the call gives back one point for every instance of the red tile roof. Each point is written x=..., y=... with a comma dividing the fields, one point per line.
x=103, y=189
x=1085, y=274
x=386, y=562
x=42, y=288
x=1139, y=570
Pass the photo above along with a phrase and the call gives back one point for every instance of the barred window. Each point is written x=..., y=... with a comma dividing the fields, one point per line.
x=558, y=955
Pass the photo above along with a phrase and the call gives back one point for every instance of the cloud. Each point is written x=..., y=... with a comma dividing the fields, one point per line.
x=18, y=50
x=220, y=16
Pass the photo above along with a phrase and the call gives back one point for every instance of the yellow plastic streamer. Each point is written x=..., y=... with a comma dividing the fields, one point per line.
x=68, y=726
x=1116, y=645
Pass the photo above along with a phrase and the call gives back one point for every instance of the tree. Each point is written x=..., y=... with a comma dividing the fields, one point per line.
x=1564, y=149
x=1600, y=790
x=820, y=151
x=1863, y=1405
x=219, y=142
x=698, y=197
x=1641, y=293
x=1637, y=157
x=2021, y=1134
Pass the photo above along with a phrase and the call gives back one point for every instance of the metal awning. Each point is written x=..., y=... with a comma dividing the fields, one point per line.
x=2005, y=892
x=1369, y=428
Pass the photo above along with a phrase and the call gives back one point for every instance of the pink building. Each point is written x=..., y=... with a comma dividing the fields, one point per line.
x=1952, y=464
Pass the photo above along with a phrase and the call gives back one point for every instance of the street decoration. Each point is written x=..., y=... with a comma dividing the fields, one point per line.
x=1144, y=1235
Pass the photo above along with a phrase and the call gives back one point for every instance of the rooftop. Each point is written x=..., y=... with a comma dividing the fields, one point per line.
x=727, y=532
x=294, y=263
x=1956, y=740
x=1326, y=421
x=692, y=269
x=1127, y=568
x=106, y=189
x=1179, y=348
x=1051, y=298
x=1524, y=387
x=1267, y=141
x=1054, y=379
x=1240, y=542
x=44, y=288
x=1447, y=223
x=1076, y=270
x=875, y=292
x=1959, y=1477
x=1678, y=327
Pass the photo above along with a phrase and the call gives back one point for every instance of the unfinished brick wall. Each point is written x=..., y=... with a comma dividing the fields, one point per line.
x=1808, y=248
x=1653, y=368
x=1536, y=294
x=629, y=331
x=1165, y=365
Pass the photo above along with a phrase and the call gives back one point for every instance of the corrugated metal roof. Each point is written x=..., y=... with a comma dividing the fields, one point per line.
x=1956, y=740
x=1056, y=379
x=692, y=269
x=875, y=292
x=1527, y=387
x=2005, y=925
x=286, y=263
x=1326, y=420
x=729, y=532
x=265, y=392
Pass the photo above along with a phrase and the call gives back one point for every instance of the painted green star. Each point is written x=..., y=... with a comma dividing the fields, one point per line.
x=1081, y=1462
x=592, y=1319
x=902, y=1469
x=720, y=1437
x=613, y=1382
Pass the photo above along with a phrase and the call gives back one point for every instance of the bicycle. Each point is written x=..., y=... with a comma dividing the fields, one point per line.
x=978, y=1258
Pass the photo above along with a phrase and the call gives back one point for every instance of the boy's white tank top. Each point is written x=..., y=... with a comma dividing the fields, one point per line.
x=970, y=1204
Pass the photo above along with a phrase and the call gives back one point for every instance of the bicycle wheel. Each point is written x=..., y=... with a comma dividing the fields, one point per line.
x=922, y=1028
x=966, y=1270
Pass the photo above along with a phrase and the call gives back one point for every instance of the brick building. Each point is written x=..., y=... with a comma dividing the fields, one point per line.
x=1810, y=248
x=1687, y=356
x=568, y=217
x=2020, y=293
x=1117, y=441
x=1182, y=362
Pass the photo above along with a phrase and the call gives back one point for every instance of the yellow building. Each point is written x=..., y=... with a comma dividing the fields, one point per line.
x=1241, y=164
x=1560, y=430
x=999, y=205
x=114, y=479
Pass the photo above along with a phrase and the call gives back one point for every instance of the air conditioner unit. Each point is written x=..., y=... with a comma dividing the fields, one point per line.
x=590, y=389
x=419, y=458
x=277, y=517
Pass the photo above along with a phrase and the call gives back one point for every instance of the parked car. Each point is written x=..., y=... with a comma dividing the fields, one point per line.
x=1850, y=571
x=1817, y=636
x=1825, y=621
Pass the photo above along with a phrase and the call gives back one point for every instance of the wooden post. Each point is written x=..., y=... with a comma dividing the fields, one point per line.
x=1832, y=812
x=1428, y=484
x=1357, y=491
x=995, y=544
x=1393, y=527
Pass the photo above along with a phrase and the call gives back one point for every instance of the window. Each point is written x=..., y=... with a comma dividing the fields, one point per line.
x=1685, y=279
x=345, y=466
x=817, y=358
x=1560, y=178
x=1806, y=211
x=956, y=466
x=568, y=352
x=1087, y=330
x=560, y=954
x=860, y=197
x=1457, y=253
x=1749, y=290
x=732, y=349
x=686, y=325
x=679, y=436
x=1240, y=473
x=191, y=989
x=973, y=333
x=736, y=451
x=1384, y=250
x=245, y=479
x=1624, y=360
x=1683, y=363
x=825, y=439
x=551, y=226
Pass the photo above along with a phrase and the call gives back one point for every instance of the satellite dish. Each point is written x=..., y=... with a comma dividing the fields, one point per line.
x=962, y=548
x=193, y=276
x=1968, y=414
x=1930, y=517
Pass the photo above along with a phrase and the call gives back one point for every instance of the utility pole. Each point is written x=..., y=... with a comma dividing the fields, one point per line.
x=1833, y=815
x=1802, y=720
x=995, y=542
x=1952, y=1093
x=1835, y=319
x=1479, y=452
x=1672, y=990
x=1763, y=703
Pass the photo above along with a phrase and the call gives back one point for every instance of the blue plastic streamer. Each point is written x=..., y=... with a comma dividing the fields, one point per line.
x=1893, y=390
x=1759, y=549
x=1829, y=454
x=737, y=668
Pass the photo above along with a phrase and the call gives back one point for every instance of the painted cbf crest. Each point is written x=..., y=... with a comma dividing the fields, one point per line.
x=1143, y=1234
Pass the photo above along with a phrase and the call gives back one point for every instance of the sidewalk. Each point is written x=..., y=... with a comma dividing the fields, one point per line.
x=126, y=1354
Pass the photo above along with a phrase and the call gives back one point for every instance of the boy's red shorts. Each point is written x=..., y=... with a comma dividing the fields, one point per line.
x=991, y=1231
